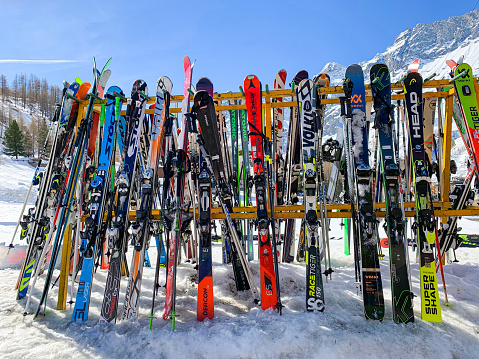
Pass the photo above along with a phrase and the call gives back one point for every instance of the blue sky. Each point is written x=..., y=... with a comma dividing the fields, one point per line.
x=229, y=40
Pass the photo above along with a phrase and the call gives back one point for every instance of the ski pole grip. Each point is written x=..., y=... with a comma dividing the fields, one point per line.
x=119, y=95
x=342, y=99
x=430, y=77
x=117, y=107
x=401, y=80
x=72, y=97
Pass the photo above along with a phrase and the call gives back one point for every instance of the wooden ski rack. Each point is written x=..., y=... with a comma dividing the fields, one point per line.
x=442, y=207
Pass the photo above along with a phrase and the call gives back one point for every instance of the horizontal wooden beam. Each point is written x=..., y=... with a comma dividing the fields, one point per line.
x=334, y=211
x=335, y=90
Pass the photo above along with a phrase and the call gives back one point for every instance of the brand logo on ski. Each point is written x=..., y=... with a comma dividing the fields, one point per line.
x=205, y=301
x=206, y=120
x=356, y=98
x=415, y=121
x=308, y=126
x=466, y=76
x=474, y=116
x=111, y=130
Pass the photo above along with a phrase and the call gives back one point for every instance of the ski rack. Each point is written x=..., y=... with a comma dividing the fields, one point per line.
x=442, y=208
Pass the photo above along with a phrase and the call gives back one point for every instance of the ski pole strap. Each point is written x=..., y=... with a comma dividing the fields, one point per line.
x=119, y=95
x=342, y=100
x=95, y=96
x=72, y=97
x=430, y=77
x=401, y=80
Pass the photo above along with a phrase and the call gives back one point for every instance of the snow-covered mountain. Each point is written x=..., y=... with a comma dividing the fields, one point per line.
x=433, y=44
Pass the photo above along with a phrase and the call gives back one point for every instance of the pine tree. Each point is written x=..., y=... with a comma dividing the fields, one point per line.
x=13, y=140
x=30, y=133
x=3, y=87
x=42, y=135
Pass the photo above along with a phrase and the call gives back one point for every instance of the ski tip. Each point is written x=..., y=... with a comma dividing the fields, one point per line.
x=186, y=62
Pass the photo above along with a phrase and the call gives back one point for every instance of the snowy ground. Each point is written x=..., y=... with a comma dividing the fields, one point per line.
x=240, y=329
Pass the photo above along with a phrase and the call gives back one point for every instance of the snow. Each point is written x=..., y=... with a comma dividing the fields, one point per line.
x=15, y=179
x=240, y=328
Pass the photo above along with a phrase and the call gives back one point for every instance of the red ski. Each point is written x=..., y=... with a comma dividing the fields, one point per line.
x=252, y=90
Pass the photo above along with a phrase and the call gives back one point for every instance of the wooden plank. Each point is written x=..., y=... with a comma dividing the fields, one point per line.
x=64, y=269
x=433, y=84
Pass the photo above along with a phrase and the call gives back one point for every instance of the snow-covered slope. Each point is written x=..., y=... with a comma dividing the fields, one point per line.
x=240, y=328
x=15, y=179
x=17, y=112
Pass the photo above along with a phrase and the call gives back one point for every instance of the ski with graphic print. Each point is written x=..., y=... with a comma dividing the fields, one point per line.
x=253, y=96
x=314, y=281
x=400, y=279
x=425, y=226
x=117, y=233
x=366, y=244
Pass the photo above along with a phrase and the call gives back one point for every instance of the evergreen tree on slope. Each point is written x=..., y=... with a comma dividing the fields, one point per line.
x=13, y=141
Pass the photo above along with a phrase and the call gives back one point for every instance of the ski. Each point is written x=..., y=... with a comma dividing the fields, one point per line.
x=425, y=226
x=314, y=280
x=461, y=195
x=253, y=96
x=116, y=233
x=400, y=280
x=100, y=185
x=278, y=163
x=205, y=302
x=162, y=134
x=181, y=167
x=142, y=228
x=247, y=180
x=360, y=185
x=204, y=111
x=291, y=175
